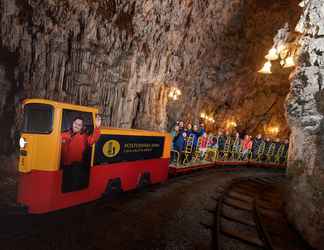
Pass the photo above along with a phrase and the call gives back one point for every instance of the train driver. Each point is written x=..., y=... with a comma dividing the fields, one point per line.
x=75, y=141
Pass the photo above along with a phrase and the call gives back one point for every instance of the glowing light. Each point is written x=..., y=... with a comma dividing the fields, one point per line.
x=266, y=69
x=289, y=62
x=281, y=47
x=22, y=142
x=174, y=93
x=207, y=118
x=284, y=53
x=303, y=3
x=272, y=55
x=282, y=62
x=273, y=130
x=231, y=124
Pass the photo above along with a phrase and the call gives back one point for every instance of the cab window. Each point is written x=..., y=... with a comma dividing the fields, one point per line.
x=38, y=118
x=69, y=115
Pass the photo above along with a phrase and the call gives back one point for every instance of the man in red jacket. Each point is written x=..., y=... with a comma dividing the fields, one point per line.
x=75, y=141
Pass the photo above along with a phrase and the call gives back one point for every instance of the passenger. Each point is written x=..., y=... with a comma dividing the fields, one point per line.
x=174, y=132
x=236, y=146
x=203, y=145
x=210, y=141
x=181, y=126
x=195, y=134
x=237, y=142
x=202, y=128
x=266, y=148
x=228, y=140
x=214, y=143
x=220, y=140
x=256, y=145
x=179, y=141
x=188, y=129
x=247, y=146
x=211, y=144
x=75, y=141
x=285, y=153
x=277, y=145
x=227, y=135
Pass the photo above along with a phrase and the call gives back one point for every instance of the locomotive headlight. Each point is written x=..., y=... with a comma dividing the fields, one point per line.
x=22, y=142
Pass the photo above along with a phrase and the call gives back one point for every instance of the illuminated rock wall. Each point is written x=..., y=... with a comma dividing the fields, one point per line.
x=305, y=109
x=123, y=56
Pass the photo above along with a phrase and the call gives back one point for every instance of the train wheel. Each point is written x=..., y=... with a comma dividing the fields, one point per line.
x=113, y=189
x=144, y=181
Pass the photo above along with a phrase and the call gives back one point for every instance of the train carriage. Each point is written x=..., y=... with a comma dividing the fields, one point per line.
x=122, y=159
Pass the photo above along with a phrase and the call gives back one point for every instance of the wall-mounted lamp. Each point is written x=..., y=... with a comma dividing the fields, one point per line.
x=231, y=124
x=174, y=93
x=284, y=49
x=206, y=117
x=266, y=69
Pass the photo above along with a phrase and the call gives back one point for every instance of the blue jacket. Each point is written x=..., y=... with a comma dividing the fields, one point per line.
x=195, y=135
x=179, y=142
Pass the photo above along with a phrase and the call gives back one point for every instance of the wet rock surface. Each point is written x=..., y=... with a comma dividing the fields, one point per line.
x=124, y=56
x=169, y=216
x=305, y=111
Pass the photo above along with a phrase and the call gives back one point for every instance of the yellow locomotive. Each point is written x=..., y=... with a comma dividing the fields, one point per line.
x=120, y=159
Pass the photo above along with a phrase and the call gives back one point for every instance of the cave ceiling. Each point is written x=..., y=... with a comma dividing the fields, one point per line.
x=124, y=56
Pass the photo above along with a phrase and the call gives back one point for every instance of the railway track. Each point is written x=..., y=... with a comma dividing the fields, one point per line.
x=249, y=215
x=20, y=223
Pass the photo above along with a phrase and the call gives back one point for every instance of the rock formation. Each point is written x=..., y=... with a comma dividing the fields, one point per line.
x=123, y=56
x=305, y=109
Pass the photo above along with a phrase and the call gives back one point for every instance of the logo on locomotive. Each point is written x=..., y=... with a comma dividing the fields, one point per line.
x=111, y=148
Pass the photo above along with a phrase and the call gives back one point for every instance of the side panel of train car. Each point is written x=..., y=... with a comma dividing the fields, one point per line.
x=121, y=159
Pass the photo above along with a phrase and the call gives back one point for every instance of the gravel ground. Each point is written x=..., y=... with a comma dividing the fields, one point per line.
x=171, y=216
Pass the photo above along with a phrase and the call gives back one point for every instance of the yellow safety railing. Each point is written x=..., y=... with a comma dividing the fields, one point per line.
x=211, y=153
x=225, y=153
x=279, y=154
x=235, y=152
x=188, y=149
x=271, y=152
x=260, y=151
x=197, y=154
x=175, y=155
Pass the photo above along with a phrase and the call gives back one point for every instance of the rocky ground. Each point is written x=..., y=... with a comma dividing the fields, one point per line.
x=169, y=216
x=8, y=181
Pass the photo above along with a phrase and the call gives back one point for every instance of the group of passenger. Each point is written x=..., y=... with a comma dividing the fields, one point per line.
x=180, y=133
x=229, y=146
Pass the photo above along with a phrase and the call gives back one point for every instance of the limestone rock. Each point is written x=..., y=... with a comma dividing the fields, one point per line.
x=305, y=199
x=123, y=57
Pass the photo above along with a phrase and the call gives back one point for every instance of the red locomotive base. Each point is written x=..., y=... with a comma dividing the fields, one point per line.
x=41, y=190
x=48, y=184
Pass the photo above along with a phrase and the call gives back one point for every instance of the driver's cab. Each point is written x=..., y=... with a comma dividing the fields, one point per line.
x=40, y=142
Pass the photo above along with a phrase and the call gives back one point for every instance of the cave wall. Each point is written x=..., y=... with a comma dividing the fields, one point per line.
x=232, y=89
x=123, y=56
x=305, y=112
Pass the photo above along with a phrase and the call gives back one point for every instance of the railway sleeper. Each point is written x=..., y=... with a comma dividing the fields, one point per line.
x=237, y=204
x=247, y=187
x=250, y=238
x=243, y=192
x=240, y=220
x=238, y=196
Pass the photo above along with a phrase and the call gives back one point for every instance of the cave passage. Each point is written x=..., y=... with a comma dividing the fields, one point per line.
x=212, y=85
